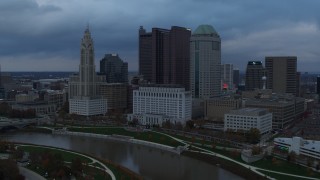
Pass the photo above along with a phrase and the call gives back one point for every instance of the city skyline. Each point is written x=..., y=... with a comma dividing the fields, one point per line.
x=44, y=35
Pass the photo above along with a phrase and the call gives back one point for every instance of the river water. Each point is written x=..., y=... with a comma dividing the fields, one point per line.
x=149, y=162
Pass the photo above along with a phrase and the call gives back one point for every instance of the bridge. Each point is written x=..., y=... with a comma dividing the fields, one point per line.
x=6, y=123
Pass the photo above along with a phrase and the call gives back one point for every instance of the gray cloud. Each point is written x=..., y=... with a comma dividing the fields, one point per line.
x=48, y=33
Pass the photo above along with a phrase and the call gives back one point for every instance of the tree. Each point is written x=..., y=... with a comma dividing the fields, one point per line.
x=178, y=126
x=9, y=169
x=76, y=166
x=190, y=124
x=167, y=124
x=253, y=136
x=5, y=109
x=18, y=154
x=292, y=156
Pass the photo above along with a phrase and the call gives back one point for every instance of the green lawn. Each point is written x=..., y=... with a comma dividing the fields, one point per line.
x=280, y=165
x=285, y=167
x=146, y=136
x=67, y=156
x=200, y=141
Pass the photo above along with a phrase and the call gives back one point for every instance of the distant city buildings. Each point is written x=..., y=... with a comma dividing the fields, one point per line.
x=298, y=145
x=318, y=85
x=83, y=87
x=247, y=118
x=254, y=73
x=205, y=55
x=155, y=104
x=285, y=108
x=282, y=74
x=216, y=108
x=115, y=70
x=164, y=56
x=227, y=76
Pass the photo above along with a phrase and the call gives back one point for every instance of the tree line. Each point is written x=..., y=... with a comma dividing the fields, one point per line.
x=7, y=111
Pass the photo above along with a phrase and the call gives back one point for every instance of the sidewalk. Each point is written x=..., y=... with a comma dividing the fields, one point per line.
x=30, y=175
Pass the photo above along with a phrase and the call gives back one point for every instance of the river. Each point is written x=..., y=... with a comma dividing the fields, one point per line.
x=149, y=162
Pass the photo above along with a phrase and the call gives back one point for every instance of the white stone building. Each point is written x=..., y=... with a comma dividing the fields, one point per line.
x=84, y=98
x=159, y=103
x=299, y=145
x=205, y=62
x=247, y=118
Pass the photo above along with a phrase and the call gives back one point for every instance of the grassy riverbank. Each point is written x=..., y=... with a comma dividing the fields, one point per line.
x=141, y=135
x=225, y=164
x=93, y=169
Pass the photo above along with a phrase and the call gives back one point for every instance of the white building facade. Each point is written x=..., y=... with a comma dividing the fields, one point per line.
x=247, y=118
x=299, y=145
x=205, y=62
x=154, y=104
x=83, y=87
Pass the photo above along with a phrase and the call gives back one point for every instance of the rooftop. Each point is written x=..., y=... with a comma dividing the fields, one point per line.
x=205, y=30
x=249, y=111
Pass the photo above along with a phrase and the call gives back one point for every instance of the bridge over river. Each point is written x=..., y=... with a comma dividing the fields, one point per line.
x=6, y=123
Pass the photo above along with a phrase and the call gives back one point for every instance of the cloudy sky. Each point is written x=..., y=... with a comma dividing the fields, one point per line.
x=44, y=35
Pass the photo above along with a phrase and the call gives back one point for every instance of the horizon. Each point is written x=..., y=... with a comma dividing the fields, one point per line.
x=52, y=43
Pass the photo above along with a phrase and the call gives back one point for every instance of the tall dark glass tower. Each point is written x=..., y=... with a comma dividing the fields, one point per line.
x=115, y=70
x=254, y=73
x=164, y=56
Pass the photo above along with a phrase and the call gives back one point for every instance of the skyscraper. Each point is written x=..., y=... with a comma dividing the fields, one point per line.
x=164, y=55
x=205, y=55
x=236, y=77
x=282, y=72
x=318, y=85
x=227, y=76
x=254, y=73
x=115, y=70
x=83, y=87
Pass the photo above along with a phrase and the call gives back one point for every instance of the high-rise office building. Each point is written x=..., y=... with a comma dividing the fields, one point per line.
x=164, y=56
x=227, y=76
x=2, y=91
x=236, y=78
x=254, y=73
x=84, y=98
x=281, y=74
x=116, y=95
x=115, y=70
x=318, y=85
x=205, y=56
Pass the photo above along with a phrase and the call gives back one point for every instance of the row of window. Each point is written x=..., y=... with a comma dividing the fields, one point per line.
x=152, y=94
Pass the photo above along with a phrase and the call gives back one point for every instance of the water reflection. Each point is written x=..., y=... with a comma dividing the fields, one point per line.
x=149, y=162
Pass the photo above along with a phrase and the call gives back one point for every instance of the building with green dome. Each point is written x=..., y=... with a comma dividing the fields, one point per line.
x=205, y=68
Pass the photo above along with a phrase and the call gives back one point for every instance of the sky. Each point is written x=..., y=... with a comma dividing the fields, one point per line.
x=45, y=35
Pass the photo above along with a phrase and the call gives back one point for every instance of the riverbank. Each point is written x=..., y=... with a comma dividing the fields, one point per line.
x=225, y=164
x=115, y=171
x=233, y=163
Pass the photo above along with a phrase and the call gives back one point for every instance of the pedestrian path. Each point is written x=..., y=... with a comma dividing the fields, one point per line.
x=252, y=168
x=105, y=168
x=30, y=175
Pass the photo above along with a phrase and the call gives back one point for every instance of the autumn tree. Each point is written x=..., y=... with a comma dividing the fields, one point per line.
x=76, y=166
x=253, y=136
x=9, y=170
